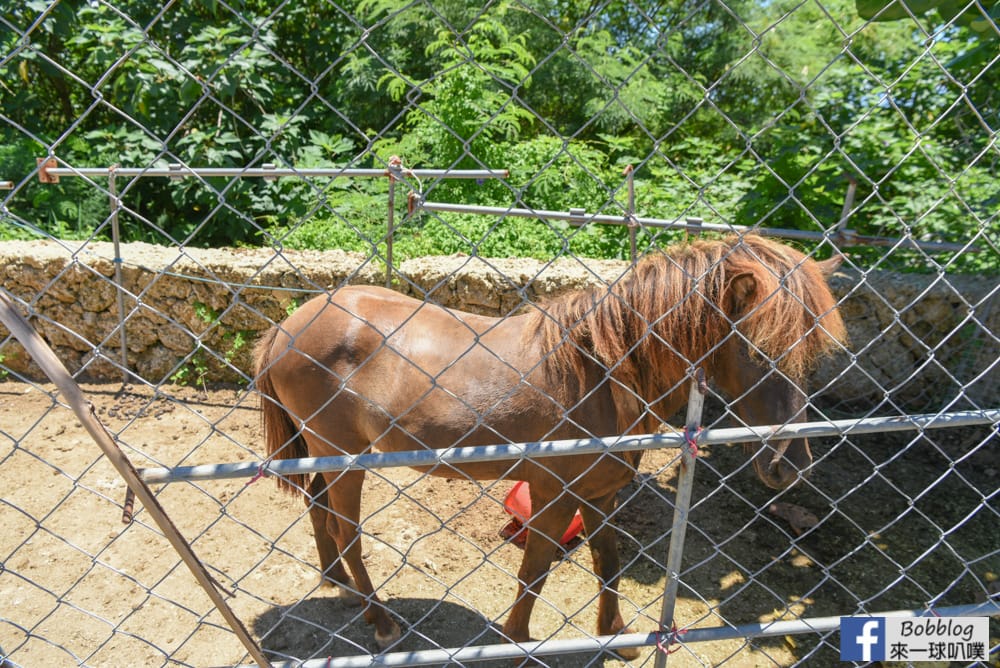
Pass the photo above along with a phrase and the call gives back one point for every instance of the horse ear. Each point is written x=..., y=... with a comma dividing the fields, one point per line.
x=827, y=267
x=742, y=288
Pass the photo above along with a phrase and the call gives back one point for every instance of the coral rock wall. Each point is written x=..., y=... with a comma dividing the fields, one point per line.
x=922, y=342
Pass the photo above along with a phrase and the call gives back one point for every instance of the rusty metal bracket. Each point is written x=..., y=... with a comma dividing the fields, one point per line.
x=44, y=164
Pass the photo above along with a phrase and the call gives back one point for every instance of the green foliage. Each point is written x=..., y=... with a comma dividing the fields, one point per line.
x=977, y=18
x=194, y=370
x=741, y=112
x=69, y=210
x=201, y=363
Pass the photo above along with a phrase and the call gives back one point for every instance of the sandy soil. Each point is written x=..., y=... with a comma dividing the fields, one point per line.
x=904, y=521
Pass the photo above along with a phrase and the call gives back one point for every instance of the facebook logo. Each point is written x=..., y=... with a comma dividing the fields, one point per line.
x=862, y=638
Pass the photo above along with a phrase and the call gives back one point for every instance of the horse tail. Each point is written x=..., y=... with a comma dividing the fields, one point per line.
x=283, y=438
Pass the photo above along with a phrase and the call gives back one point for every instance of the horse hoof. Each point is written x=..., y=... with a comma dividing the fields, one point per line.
x=386, y=640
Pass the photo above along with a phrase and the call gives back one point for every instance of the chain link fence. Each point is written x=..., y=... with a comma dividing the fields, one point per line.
x=178, y=179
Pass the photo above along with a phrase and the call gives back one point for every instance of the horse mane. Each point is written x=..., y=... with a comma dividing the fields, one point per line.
x=673, y=308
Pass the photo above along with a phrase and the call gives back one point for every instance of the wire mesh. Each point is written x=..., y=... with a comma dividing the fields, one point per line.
x=176, y=129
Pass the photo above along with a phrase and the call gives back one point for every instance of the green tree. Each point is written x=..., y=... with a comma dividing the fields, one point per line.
x=737, y=112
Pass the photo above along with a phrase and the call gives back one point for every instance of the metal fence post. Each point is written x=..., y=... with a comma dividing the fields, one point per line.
x=633, y=223
x=682, y=505
x=119, y=283
x=395, y=166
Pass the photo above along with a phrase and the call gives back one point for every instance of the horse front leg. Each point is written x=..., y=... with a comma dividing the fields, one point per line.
x=332, y=571
x=344, y=493
x=545, y=529
x=607, y=567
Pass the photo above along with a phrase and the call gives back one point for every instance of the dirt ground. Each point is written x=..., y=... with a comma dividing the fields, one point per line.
x=903, y=521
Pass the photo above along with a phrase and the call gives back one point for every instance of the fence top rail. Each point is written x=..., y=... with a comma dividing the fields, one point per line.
x=49, y=173
x=578, y=217
x=468, y=455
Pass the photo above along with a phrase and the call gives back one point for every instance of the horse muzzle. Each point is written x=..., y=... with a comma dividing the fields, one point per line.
x=780, y=465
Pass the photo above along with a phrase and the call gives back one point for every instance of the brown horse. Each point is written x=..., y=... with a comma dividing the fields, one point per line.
x=365, y=367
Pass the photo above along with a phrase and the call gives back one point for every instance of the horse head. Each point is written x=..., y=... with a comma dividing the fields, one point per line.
x=765, y=396
x=783, y=319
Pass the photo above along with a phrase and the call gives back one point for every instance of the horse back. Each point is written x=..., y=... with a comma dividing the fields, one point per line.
x=367, y=367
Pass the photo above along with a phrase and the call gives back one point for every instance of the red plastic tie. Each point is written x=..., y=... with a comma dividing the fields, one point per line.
x=691, y=440
x=260, y=472
x=673, y=640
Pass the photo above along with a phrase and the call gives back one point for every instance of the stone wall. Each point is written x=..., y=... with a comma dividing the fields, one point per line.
x=917, y=341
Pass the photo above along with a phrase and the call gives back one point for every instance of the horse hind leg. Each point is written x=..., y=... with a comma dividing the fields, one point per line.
x=333, y=573
x=344, y=494
x=545, y=530
x=607, y=567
